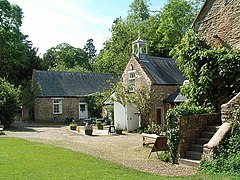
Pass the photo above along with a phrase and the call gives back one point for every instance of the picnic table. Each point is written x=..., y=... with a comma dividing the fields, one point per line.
x=159, y=142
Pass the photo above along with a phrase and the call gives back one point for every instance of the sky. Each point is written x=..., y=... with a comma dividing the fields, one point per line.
x=51, y=22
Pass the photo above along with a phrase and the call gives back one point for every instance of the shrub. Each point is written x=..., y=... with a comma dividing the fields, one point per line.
x=9, y=102
x=164, y=156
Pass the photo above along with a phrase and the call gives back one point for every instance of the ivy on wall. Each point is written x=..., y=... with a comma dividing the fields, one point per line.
x=173, y=116
x=213, y=73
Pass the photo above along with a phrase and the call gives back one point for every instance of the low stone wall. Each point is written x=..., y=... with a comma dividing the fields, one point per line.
x=190, y=128
x=229, y=109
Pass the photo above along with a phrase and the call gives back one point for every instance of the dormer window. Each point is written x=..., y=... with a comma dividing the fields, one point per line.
x=131, y=80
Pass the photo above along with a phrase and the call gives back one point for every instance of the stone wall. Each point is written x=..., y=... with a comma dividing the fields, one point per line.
x=229, y=109
x=43, y=110
x=218, y=22
x=161, y=92
x=190, y=128
x=141, y=78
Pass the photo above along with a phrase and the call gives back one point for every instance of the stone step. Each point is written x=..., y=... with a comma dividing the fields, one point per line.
x=197, y=147
x=207, y=135
x=212, y=128
x=193, y=155
x=189, y=162
x=202, y=141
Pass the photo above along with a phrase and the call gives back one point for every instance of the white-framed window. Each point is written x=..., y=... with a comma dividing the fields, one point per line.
x=57, y=105
x=131, y=80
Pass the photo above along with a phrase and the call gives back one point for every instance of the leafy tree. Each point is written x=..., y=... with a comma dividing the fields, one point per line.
x=162, y=30
x=142, y=99
x=117, y=50
x=213, y=73
x=9, y=102
x=17, y=56
x=68, y=54
x=61, y=66
x=139, y=11
x=89, y=48
x=176, y=18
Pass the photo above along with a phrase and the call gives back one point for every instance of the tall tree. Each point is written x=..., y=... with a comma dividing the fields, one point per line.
x=17, y=56
x=162, y=30
x=117, y=50
x=176, y=18
x=139, y=11
x=89, y=48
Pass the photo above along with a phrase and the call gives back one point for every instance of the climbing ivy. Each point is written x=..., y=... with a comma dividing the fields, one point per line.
x=213, y=73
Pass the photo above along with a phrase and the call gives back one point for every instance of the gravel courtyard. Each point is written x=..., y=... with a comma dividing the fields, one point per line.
x=123, y=149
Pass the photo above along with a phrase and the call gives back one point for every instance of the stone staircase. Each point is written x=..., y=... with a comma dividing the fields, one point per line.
x=194, y=154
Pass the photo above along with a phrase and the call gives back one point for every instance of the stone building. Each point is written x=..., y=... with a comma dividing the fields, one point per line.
x=157, y=74
x=62, y=94
x=218, y=22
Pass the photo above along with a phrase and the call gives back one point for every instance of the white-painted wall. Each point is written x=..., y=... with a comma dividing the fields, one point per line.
x=119, y=115
x=126, y=117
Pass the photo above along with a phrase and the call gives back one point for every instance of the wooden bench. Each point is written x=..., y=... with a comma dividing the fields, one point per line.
x=149, y=138
x=159, y=142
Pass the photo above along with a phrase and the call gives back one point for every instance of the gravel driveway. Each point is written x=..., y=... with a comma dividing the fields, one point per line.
x=124, y=149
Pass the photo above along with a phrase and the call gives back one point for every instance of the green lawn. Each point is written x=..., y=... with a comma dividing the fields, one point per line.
x=21, y=159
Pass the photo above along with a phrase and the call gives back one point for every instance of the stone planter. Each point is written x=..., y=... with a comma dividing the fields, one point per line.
x=73, y=128
x=100, y=127
x=88, y=132
x=119, y=131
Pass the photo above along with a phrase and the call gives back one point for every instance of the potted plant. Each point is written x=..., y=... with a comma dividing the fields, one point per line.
x=118, y=129
x=99, y=125
x=73, y=125
x=88, y=129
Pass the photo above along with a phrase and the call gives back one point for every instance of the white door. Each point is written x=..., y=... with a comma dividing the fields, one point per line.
x=83, y=111
x=132, y=117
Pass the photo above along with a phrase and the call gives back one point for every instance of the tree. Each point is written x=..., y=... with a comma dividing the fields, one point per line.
x=176, y=17
x=143, y=100
x=139, y=11
x=17, y=56
x=61, y=66
x=9, y=102
x=213, y=73
x=117, y=50
x=68, y=54
x=89, y=48
x=162, y=30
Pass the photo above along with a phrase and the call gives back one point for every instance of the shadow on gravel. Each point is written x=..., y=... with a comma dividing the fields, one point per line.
x=30, y=126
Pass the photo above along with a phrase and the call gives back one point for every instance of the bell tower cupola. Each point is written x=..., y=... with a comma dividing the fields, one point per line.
x=140, y=47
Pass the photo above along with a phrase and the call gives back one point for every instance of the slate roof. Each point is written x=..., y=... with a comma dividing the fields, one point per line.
x=176, y=97
x=162, y=71
x=64, y=84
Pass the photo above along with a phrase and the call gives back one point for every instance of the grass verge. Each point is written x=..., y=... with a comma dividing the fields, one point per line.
x=22, y=159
